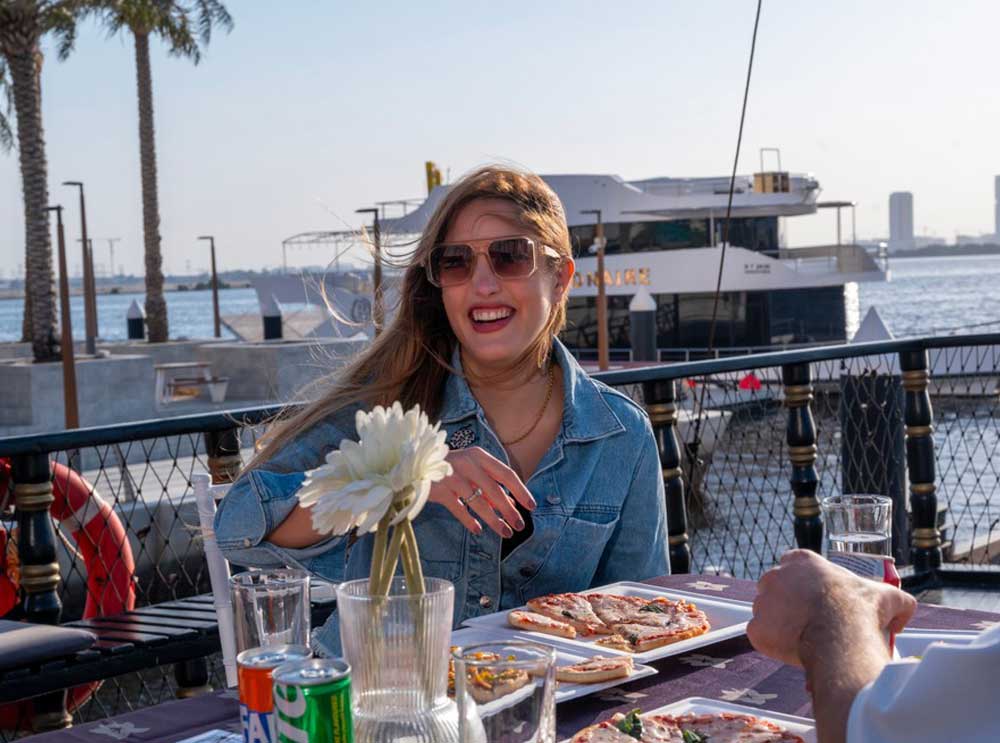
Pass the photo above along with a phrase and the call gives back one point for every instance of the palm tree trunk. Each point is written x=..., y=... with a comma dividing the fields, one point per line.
x=39, y=286
x=156, y=305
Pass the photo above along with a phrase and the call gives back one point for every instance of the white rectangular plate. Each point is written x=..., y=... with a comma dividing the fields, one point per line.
x=728, y=619
x=565, y=655
x=802, y=726
x=915, y=642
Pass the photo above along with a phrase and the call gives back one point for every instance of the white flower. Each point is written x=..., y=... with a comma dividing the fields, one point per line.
x=393, y=464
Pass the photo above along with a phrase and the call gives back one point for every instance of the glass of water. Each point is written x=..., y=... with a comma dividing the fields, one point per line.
x=506, y=692
x=859, y=524
x=270, y=607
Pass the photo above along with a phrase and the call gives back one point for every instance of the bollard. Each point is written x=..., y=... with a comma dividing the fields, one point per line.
x=642, y=326
x=873, y=456
x=270, y=312
x=135, y=318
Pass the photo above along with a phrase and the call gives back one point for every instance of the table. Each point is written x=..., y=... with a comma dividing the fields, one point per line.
x=729, y=670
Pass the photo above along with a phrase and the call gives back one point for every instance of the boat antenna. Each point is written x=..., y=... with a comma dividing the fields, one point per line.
x=696, y=443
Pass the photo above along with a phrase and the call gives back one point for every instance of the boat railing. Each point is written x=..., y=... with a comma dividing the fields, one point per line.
x=846, y=259
x=748, y=445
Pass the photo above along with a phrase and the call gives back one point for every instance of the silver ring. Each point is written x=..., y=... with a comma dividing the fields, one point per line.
x=469, y=499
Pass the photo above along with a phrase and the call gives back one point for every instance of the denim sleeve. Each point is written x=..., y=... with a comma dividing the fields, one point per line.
x=638, y=547
x=262, y=498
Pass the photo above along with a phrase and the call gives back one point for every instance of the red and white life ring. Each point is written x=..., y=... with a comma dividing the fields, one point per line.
x=107, y=555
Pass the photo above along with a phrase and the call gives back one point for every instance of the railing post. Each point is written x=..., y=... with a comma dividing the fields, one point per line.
x=36, y=550
x=223, y=449
x=925, y=541
x=801, y=437
x=660, y=397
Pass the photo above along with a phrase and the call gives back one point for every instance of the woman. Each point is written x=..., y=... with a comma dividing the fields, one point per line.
x=557, y=483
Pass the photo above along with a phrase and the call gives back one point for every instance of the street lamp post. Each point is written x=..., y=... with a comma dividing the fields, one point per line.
x=89, y=286
x=602, y=297
x=72, y=411
x=378, y=311
x=215, y=288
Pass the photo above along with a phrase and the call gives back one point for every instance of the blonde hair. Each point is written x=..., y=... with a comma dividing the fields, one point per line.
x=410, y=360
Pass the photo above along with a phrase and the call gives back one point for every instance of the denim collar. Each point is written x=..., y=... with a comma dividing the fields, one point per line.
x=586, y=414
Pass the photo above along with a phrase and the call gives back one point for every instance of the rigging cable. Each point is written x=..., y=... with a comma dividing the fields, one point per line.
x=696, y=442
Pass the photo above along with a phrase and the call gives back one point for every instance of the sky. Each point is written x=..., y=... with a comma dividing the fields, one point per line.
x=309, y=110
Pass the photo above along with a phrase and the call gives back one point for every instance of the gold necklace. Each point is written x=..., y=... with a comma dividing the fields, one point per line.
x=541, y=412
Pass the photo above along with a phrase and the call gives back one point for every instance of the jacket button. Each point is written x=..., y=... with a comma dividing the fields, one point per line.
x=485, y=601
x=555, y=500
x=247, y=542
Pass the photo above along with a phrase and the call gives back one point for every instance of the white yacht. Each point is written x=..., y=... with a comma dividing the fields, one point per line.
x=666, y=234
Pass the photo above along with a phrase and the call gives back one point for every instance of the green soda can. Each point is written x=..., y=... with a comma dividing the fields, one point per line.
x=312, y=701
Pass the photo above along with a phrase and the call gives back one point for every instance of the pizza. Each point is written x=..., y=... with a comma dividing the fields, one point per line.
x=451, y=665
x=485, y=684
x=719, y=727
x=596, y=670
x=572, y=608
x=625, y=623
x=529, y=620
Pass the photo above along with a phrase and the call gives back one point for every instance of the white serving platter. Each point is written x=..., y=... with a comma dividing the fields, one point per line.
x=565, y=655
x=915, y=642
x=727, y=617
x=801, y=726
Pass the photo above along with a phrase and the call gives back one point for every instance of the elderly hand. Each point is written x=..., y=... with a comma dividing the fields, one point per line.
x=474, y=488
x=806, y=594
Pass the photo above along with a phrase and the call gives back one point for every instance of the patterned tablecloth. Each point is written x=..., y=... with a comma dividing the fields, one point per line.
x=730, y=670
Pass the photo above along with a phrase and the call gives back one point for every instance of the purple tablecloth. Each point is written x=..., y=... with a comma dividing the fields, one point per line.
x=729, y=670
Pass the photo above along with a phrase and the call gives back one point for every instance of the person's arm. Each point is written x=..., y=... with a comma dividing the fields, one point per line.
x=816, y=615
x=842, y=653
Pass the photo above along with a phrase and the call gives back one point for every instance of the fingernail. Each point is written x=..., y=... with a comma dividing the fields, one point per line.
x=477, y=527
x=519, y=523
x=507, y=532
x=531, y=503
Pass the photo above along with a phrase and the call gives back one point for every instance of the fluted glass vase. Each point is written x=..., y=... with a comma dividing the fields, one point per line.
x=398, y=648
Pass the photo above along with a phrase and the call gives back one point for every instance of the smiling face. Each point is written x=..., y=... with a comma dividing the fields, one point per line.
x=496, y=320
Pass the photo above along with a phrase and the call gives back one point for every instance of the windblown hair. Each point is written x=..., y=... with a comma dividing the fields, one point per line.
x=410, y=360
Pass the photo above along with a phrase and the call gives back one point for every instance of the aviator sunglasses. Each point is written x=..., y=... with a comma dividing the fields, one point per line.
x=451, y=264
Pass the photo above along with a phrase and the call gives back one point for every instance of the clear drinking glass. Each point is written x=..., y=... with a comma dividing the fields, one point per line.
x=506, y=692
x=398, y=646
x=270, y=607
x=858, y=524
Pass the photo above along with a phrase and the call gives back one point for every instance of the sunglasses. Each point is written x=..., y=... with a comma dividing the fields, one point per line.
x=509, y=258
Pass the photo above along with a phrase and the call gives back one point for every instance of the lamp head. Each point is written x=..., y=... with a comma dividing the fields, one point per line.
x=73, y=183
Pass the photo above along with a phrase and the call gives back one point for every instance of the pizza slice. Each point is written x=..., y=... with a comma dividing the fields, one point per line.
x=572, y=608
x=615, y=642
x=596, y=670
x=534, y=622
x=486, y=684
x=719, y=727
x=612, y=609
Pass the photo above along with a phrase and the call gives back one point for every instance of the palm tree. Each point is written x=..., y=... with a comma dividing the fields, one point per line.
x=186, y=27
x=23, y=23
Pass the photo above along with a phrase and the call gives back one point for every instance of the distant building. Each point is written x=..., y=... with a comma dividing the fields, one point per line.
x=901, y=221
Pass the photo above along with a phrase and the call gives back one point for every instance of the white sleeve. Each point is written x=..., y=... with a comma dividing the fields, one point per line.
x=949, y=695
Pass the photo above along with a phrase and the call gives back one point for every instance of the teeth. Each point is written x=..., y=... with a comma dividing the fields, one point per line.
x=490, y=315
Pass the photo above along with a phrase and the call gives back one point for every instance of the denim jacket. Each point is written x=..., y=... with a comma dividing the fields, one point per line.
x=601, y=514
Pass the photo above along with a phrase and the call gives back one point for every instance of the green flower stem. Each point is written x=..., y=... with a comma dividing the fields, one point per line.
x=378, y=554
x=391, y=560
x=411, y=555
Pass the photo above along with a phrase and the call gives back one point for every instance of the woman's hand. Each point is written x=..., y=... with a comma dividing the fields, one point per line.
x=474, y=487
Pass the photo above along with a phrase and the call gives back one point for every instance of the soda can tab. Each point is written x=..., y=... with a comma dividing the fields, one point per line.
x=312, y=702
x=254, y=668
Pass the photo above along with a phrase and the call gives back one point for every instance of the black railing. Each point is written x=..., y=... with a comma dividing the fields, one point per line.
x=749, y=445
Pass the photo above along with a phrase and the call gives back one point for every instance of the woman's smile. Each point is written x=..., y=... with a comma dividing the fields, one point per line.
x=490, y=318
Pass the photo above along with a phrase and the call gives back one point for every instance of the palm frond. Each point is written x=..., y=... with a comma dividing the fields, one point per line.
x=185, y=25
